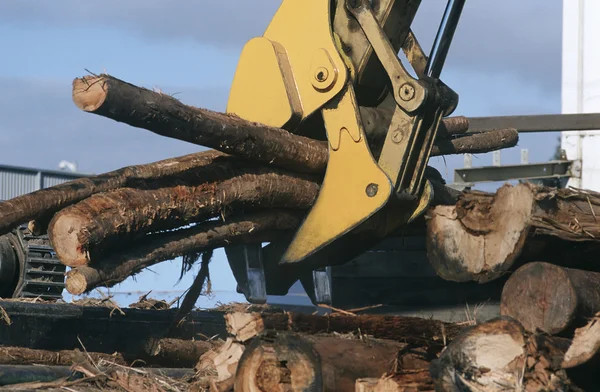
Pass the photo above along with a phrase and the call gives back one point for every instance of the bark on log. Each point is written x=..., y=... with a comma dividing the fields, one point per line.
x=27, y=356
x=47, y=201
x=81, y=232
x=499, y=355
x=284, y=361
x=549, y=298
x=413, y=330
x=118, y=266
x=162, y=114
x=484, y=236
x=179, y=353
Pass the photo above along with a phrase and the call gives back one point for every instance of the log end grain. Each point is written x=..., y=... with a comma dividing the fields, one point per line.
x=287, y=363
x=63, y=234
x=585, y=344
x=89, y=92
x=76, y=282
x=479, y=238
x=541, y=297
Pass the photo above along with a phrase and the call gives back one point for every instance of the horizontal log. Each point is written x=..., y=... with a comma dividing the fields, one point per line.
x=486, y=235
x=286, y=361
x=413, y=330
x=118, y=266
x=109, y=220
x=47, y=201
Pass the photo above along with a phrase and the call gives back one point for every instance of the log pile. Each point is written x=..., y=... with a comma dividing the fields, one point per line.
x=255, y=184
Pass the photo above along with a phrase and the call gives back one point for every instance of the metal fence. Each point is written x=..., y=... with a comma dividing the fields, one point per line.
x=16, y=180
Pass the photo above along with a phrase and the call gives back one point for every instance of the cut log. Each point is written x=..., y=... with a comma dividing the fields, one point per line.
x=164, y=115
x=289, y=361
x=108, y=220
x=499, y=355
x=47, y=201
x=549, y=298
x=175, y=352
x=120, y=265
x=412, y=381
x=484, y=236
x=107, y=96
x=413, y=330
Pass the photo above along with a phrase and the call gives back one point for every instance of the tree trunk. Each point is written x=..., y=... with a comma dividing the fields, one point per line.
x=85, y=231
x=551, y=299
x=118, y=266
x=499, y=355
x=162, y=114
x=47, y=201
x=285, y=361
x=484, y=236
x=413, y=330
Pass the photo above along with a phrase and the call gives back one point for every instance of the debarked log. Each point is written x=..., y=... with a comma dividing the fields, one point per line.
x=487, y=235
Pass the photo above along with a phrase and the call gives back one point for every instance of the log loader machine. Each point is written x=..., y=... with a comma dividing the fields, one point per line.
x=321, y=69
x=329, y=70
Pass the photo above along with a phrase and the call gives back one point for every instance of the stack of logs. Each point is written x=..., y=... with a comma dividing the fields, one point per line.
x=256, y=185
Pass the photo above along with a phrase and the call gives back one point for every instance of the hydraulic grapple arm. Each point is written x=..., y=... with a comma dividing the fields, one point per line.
x=325, y=58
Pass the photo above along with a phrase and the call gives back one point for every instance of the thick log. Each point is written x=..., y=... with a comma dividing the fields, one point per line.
x=47, y=201
x=290, y=361
x=413, y=330
x=108, y=220
x=118, y=266
x=484, y=236
x=549, y=298
x=499, y=355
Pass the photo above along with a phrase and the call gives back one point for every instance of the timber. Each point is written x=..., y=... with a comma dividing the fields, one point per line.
x=47, y=201
x=285, y=361
x=117, y=267
x=485, y=236
x=107, y=96
x=413, y=330
x=549, y=298
x=107, y=220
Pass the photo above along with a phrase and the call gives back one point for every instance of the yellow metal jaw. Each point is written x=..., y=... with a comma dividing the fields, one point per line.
x=308, y=62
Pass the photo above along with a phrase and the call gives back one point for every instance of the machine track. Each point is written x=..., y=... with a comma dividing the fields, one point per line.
x=41, y=274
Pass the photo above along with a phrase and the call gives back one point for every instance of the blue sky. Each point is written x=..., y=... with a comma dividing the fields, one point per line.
x=505, y=60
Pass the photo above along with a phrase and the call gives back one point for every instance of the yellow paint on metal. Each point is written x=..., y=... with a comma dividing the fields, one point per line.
x=263, y=88
x=424, y=201
x=354, y=187
x=307, y=63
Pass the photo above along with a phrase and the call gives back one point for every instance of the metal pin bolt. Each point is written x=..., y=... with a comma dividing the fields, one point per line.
x=397, y=136
x=407, y=92
x=321, y=74
x=372, y=189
